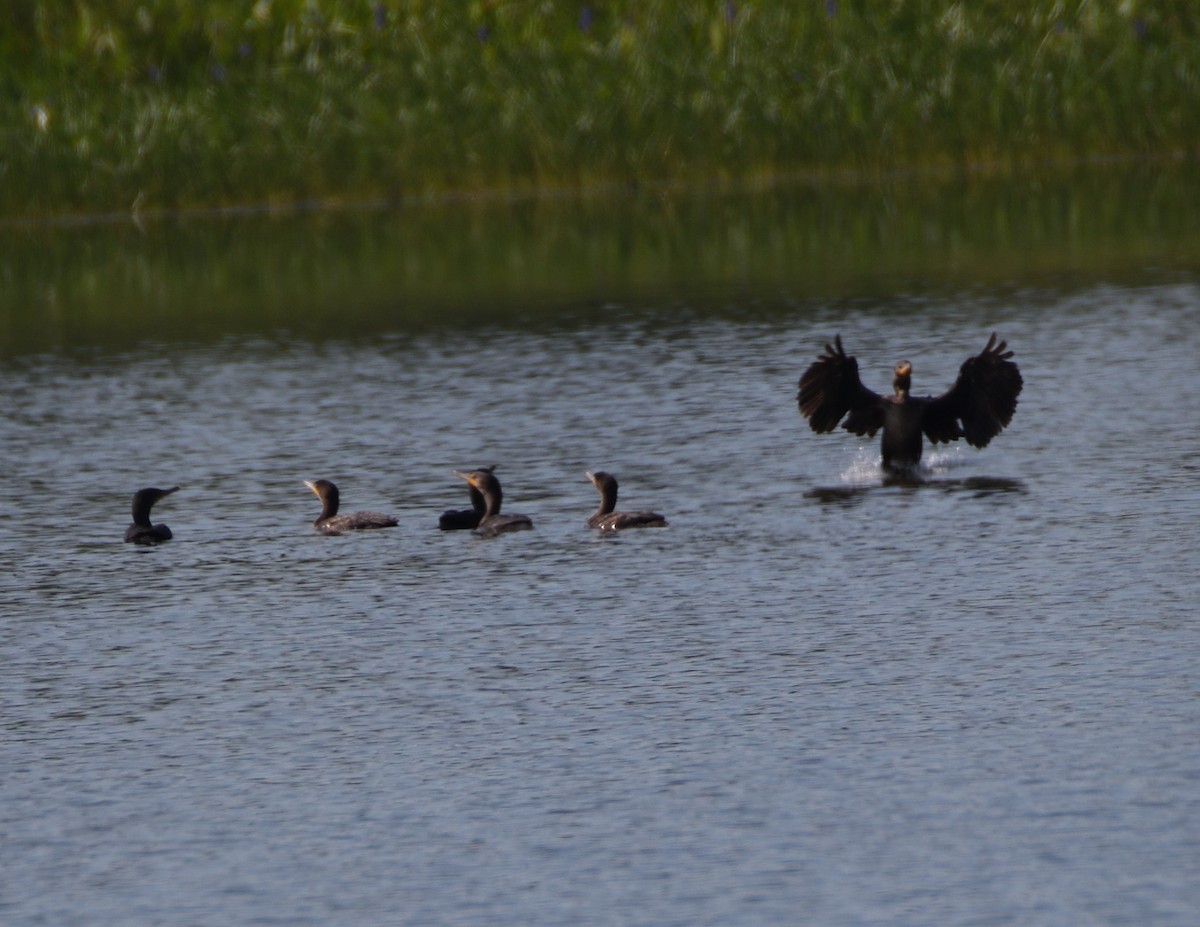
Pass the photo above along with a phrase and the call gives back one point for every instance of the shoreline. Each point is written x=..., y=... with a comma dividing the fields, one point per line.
x=829, y=178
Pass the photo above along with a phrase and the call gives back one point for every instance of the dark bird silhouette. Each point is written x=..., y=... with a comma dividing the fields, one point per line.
x=977, y=407
x=330, y=522
x=492, y=522
x=141, y=531
x=460, y=519
x=606, y=519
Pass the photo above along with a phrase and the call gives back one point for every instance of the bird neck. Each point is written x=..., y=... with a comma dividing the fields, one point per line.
x=608, y=499
x=329, y=506
x=492, y=498
x=141, y=512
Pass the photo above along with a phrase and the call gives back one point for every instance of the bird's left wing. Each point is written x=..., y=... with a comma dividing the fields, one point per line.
x=980, y=403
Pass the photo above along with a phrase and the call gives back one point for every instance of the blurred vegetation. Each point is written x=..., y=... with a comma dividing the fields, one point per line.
x=549, y=263
x=159, y=104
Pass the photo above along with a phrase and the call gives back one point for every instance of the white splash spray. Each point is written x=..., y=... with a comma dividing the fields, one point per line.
x=866, y=469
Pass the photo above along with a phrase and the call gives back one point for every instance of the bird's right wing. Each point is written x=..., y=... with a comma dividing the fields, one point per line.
x=830, y=389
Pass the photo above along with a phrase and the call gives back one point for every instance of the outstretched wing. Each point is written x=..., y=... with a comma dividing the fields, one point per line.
x=830, y=389
x=982, y=400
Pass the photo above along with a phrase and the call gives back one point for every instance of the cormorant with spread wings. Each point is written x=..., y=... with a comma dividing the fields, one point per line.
x=977, y=407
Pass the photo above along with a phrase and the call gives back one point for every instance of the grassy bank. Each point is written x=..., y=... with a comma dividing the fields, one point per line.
x=168, y=104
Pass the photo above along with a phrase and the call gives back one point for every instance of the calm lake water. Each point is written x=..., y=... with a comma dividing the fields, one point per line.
x=814, y=698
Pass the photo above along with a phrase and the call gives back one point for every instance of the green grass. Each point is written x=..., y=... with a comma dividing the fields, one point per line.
x=184, y=104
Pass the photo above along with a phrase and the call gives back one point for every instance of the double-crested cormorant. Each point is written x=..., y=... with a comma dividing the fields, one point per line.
x=141, y=531
x=460, y=519
x=330, y=522
x=606, y=519
x=492, y=522
x=977, y=407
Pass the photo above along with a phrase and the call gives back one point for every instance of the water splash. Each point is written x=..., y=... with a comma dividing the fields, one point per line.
x=865, y=469
x=943, y=460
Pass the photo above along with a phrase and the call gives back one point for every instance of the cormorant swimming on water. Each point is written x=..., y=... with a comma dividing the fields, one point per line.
x=977, y=407
x=459, y=519
x=330, y=522
x=492, y=522
x=606, y=519
x=141, y=531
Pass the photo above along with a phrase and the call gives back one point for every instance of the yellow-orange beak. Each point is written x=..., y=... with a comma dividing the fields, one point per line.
x=469, y=477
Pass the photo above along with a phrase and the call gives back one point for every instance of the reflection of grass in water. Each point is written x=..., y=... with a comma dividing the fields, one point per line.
x=170, y=103
x=821, y=252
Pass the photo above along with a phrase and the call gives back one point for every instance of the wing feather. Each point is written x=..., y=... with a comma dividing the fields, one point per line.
x=831, y=389
x=982, y=400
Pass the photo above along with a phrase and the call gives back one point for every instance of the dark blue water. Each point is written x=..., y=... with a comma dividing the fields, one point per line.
x=812, y=699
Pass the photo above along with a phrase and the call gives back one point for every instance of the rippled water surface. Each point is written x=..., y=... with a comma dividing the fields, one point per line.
x=814, y=698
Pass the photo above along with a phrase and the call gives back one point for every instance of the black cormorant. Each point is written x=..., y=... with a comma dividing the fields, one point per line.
x=459, y=519
x=492, y=522
x=330, y=522
x=141, y=531
x=977, y=407
x=606, y=519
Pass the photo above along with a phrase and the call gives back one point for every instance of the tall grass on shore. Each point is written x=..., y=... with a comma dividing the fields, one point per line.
x=165, y=104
